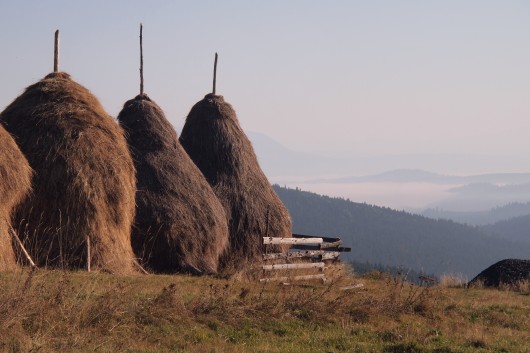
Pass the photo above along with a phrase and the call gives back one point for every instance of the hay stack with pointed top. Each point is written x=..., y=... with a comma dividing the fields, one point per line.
x=219, y=147
x=15, y=183
x=180, y=225
x=84, y=177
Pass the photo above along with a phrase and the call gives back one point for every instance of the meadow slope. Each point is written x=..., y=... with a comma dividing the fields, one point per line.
x=56, y=311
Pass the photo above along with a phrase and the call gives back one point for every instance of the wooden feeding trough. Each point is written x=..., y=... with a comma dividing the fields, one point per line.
x=305, y=252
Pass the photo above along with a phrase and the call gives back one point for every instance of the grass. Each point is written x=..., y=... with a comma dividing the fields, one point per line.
x=59, y=311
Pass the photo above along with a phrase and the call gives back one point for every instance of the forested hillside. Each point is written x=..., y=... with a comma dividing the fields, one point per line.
x=397, y=238
x=515, y=229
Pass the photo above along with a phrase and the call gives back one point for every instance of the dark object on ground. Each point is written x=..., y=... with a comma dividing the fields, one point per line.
x=180, y=224
x=84, y=182
x=216, y=143
x=505, y=272
x=15, y=183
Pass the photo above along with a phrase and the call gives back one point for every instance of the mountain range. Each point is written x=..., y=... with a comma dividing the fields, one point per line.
x=398, y=238
x=422, y=176
x=481, y=218
x=404, y=184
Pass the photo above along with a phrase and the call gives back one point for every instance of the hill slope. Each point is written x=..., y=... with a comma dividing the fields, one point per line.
x=515, y=229
x=55, y=311
x=397, y=238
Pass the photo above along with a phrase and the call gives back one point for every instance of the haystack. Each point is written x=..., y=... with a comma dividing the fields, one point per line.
x=216, y=143
x=180, y=224
x=82, y=206
x=508, y=272
x=15, y=183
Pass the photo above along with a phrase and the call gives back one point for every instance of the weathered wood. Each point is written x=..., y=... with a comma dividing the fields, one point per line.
x=140, y=267
x=293, y=266
x=331, y=245
x=141, y=61
x=326, y=239
x=294, y=278
x=19, y=242
x=272, y=240
x=293, y=255
x=324, y=255
x=56, y=52
x=214, y=74
x=317, y=247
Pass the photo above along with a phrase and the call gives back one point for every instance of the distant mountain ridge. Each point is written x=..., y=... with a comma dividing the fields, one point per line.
x=278, y=160
x=406, y=185
x=462, y=193
x=422, y=176
x=481, y=218
x=397, y=238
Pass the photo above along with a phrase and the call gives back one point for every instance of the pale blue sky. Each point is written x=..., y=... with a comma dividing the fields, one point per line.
x=344, y=77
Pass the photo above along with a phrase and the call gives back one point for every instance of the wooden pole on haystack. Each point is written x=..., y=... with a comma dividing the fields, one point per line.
x=56, y=52
x=141, y=61
x=214, y=73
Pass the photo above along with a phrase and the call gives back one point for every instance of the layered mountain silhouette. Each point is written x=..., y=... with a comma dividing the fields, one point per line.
x=397, y=238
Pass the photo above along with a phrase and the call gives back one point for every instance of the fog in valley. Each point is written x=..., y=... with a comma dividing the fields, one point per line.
x=433, y=185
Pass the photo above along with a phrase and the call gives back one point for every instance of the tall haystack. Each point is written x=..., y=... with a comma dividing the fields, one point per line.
x=180, y=224
x=216, y=143
x=82, y=206
x=15, y=183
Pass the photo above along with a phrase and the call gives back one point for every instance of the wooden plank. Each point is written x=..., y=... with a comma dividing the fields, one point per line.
x=292, y=255
x=293, y=266
x=325, y=255
x=331, y=245
x=272, y=240
x=326, y=239
x=317, y=247
x=306, y=247
x=294, y=278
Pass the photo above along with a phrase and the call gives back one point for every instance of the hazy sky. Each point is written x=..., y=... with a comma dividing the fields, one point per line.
x=346, y=77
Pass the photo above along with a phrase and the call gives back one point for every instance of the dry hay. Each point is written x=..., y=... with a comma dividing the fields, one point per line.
x=84, y=181
x=180, y=224
x=507, y=272
x=15, y=183
x=216, y=143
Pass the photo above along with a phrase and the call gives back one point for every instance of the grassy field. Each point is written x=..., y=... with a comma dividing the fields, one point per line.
x=56, y=311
